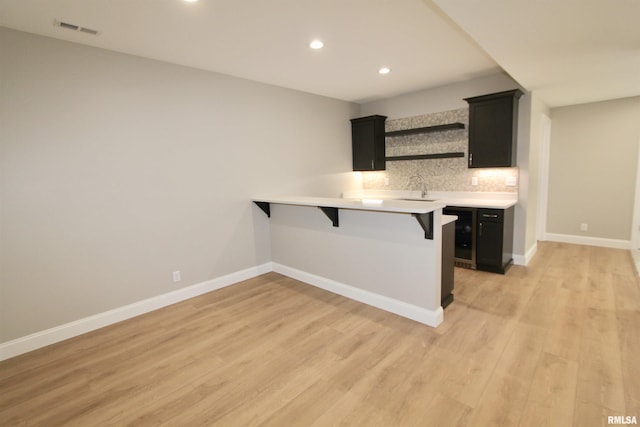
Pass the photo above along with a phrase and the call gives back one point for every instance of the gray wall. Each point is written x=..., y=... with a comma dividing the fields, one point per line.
x=592, y=170
x=118, y=170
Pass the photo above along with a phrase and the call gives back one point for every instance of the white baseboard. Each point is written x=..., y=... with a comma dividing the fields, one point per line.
x=526, y=259
x=589, y=241
x=69, y=330
x=428, y=317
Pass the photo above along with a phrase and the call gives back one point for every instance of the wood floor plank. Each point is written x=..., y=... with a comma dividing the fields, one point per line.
x=442, y=411
x=461, y=334
x=564, y=338
x=522, y=353
x=541, y=309
x=467, y=380
x=626, y=292
x=552, y=395
x=590, y=415
x=600, y=379
x=502, y=403
x=423, y=377
x=514, y=300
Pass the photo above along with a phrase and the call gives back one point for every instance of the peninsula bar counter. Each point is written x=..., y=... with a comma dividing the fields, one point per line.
x=385, y=253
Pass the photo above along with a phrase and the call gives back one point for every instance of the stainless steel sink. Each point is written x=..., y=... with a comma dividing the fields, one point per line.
x=421, y=200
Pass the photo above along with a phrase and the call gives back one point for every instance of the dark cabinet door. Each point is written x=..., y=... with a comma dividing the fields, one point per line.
x=494, y=239
x=489, y=243
x=367, y=139
x=493, y=121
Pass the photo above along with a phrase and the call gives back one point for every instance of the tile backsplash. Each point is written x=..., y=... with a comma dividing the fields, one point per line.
x=439, y=174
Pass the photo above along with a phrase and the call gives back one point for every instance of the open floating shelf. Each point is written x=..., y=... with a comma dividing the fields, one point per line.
x=427, y=129
x=426, y=156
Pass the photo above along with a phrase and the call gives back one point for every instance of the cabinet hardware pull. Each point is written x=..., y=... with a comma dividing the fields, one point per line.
x=470, y=159
x=489, y=216
x=371, y=163
x=480, y=231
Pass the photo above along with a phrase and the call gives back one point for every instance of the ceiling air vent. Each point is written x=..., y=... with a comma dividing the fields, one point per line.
x=75, y=27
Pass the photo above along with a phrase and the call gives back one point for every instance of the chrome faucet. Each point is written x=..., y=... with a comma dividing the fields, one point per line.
x=422, y=182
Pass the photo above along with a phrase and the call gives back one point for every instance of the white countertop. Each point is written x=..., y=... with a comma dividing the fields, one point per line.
x=448, y=198
x=361, y=203
x=446, y=219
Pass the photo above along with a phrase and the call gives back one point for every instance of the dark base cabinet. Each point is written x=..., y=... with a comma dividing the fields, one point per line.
x=448, y=239
x=494, y=240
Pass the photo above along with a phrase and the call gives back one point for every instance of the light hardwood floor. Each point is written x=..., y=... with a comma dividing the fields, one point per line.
x=553, y=344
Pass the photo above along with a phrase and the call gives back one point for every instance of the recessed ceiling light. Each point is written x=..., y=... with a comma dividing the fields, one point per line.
x=191, y=1
x=316, y=44
x=384, y=70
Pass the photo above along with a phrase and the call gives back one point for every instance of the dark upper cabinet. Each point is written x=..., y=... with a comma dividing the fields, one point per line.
x=493, y=128
x=494, y=242
x=367, y=139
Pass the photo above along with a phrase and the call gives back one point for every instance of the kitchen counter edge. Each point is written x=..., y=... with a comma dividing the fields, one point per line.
x=363, y=204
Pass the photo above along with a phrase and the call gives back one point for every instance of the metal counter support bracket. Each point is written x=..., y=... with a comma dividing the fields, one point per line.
x=332, y=213
x=426, y=222
x=265, y=206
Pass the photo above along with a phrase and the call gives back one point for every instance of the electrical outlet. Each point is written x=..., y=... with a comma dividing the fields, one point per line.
x=386, y=180
x=584, y=227
x=176, y=276
x=474, y=180
x=510, y=181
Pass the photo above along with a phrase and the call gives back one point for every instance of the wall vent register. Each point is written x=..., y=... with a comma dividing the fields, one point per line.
x=74, y=27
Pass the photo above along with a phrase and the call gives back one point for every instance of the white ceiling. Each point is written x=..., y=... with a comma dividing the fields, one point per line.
x=566, y=51
x=569, y=51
